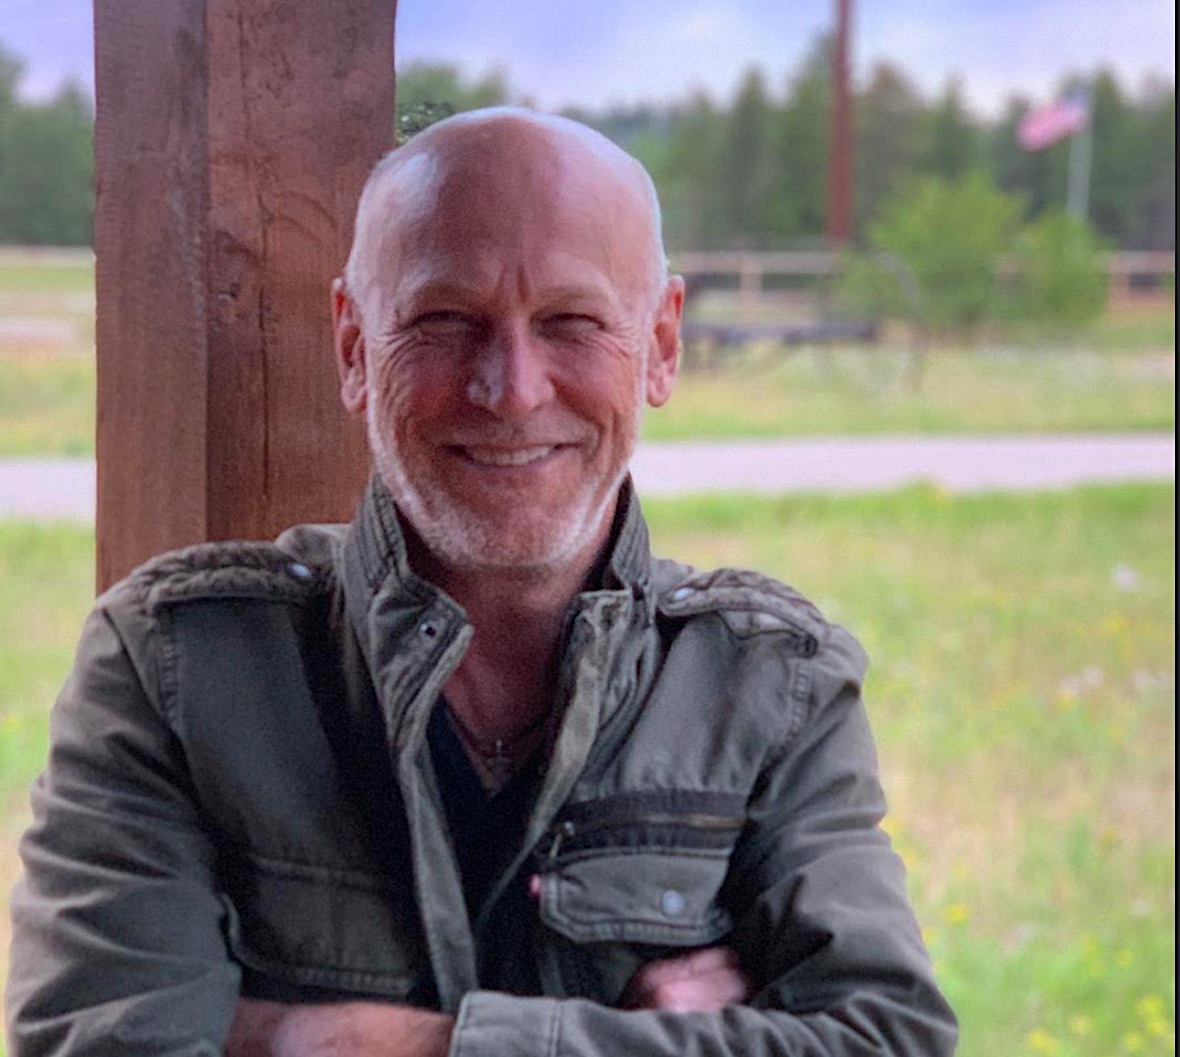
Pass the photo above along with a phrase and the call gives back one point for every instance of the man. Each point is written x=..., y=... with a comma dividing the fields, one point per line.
x=475, y=775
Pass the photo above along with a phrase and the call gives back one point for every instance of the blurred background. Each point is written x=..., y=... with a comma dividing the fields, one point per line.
x=947, y=220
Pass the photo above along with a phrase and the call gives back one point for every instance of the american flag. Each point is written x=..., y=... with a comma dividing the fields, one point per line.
x=1046, y=125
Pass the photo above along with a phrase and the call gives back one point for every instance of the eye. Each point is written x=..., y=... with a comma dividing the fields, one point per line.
x=569, y=326
x=447, y=323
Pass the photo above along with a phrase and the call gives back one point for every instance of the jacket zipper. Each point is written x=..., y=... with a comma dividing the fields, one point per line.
x=569, y=829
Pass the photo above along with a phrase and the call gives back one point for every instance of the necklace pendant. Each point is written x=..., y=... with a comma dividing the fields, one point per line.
x=499, y=764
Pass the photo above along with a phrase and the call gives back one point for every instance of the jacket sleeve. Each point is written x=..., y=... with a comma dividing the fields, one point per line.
x=117, y=940
x=823, y=921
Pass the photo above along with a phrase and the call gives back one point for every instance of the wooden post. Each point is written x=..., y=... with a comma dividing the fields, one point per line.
x=749, y=284
x=232, y=138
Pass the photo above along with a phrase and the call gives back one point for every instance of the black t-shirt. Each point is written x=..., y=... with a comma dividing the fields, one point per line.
x=487, y=832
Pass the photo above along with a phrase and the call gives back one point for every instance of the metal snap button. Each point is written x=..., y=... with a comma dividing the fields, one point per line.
x=299, y=571
x=672, y=903
x=681, y=593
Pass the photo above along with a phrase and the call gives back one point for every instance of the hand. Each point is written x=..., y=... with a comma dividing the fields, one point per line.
x=336, y=1029
x=700, y=982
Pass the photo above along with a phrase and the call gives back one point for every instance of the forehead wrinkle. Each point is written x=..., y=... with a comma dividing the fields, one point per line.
x=427, y=283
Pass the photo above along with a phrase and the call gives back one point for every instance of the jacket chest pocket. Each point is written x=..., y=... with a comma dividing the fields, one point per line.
x=292, y=925
x=664, y=898
x=628, y=882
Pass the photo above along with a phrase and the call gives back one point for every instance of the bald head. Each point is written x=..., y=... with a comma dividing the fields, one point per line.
x=508, y=159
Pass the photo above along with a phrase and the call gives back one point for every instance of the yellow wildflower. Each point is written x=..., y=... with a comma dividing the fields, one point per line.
x=1081, y=1025
x=1115, y=624
x=1150, y=1006
x=957, y=913
x=1042, y=1042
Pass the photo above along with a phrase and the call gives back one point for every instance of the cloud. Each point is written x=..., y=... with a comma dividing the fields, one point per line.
x=707, y=44
x=661, y=53
x=1026, y=48
x=593, y=52
x=708, y=23
x=596, y=52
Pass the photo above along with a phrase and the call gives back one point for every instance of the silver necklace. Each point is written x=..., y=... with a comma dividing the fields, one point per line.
x=500, y=757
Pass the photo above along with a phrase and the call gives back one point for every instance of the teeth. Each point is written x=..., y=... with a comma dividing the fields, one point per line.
x=501, y=457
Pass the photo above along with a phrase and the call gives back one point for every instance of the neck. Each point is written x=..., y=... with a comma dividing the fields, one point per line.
x=508, y=676
x=523, y=597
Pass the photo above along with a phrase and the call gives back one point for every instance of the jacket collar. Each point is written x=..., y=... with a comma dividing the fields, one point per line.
x=375, y=552
x=375, y=548
x=412, y=634
x=629, y=565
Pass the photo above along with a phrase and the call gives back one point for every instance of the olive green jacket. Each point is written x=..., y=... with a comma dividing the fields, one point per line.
x=240, y=799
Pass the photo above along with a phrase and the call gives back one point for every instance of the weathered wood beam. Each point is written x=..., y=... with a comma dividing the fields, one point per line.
x=232, y=140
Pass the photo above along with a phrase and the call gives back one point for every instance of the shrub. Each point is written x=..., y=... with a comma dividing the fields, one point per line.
x=878, y=285
x=1061, y=280
x=951, y=235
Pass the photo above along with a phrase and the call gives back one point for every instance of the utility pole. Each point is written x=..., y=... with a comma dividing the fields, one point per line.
x=839, y=196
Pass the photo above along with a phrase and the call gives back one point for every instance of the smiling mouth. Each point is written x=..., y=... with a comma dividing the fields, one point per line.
x=509, y=456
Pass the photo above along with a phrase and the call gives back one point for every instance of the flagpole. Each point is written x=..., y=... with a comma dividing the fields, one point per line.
x=1081, y=152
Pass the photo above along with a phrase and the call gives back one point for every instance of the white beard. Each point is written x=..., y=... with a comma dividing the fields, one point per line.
x=463, y=539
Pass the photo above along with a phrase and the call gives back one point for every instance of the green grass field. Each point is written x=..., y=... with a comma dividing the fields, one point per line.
x=47, y=375
x=32, y=271
x=864, y=391
x=1118, y=375
x=1023, y=693
x=1022, y=690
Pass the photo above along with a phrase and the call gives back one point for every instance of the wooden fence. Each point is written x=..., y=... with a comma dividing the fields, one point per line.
x=1134, y=276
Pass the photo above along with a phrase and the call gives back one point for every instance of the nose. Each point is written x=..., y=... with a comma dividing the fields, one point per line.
x=511, y=374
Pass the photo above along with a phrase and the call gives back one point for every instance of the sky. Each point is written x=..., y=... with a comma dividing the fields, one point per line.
x=594, y=53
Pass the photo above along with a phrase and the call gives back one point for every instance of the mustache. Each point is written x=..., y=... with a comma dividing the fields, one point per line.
x=505, y=435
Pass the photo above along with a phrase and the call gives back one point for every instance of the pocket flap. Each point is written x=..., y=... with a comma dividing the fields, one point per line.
x=339, y=929
x=637, y=896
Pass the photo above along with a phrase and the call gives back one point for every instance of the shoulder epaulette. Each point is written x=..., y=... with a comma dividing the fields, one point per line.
x=236, y=569
x=749, y=603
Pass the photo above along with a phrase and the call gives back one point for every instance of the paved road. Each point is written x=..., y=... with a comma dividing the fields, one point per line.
x=959, y=464
x=64, y=488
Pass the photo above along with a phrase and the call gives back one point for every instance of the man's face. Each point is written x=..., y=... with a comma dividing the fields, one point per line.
x=510, y=343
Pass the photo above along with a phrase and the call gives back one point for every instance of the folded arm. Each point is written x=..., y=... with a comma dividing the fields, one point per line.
x=117, y=940
x=826, y=958
x=703, y=980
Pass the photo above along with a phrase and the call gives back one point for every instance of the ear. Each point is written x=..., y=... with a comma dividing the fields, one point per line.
x=350, y=349
x=664, y=358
